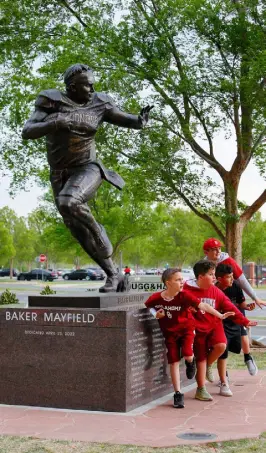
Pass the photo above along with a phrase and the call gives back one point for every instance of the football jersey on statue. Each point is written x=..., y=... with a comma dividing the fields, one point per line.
x=76, y=147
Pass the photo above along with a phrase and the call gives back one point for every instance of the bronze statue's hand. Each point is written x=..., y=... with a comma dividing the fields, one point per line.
x=63, y=122
x=144, y=114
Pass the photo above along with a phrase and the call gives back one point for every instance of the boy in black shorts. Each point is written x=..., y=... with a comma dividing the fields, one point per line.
x=236, y=335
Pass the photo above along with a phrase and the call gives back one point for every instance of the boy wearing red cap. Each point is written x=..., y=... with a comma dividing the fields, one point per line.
x=171, y=308
x=212, y=250
x=210, y=341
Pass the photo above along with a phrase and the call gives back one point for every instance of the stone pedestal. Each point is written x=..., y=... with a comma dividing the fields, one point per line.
x=93, y=300
x=103, y=360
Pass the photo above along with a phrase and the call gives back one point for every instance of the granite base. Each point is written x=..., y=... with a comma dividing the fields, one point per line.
x=102, y=360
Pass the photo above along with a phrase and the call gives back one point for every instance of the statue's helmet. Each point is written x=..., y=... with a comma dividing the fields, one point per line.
x=78, y=68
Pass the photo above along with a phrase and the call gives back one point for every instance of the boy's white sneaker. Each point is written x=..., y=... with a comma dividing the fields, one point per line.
x=228, y=380
x=225, y=390
x=251, y=366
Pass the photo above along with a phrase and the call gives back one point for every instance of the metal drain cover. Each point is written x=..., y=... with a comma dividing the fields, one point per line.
x=197, y=436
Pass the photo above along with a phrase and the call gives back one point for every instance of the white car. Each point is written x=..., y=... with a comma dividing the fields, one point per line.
x=140, y=272
x=153, y=271
x=187, y=274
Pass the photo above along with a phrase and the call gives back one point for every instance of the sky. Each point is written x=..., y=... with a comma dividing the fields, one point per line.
x=251, y=186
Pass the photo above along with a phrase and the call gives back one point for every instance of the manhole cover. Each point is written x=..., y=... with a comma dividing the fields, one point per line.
x=197, y=436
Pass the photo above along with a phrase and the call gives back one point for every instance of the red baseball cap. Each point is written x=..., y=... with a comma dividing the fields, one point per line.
x=212, y=243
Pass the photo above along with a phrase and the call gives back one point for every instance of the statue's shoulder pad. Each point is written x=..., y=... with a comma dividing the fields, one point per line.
x=104, y=97
x=46, y=98
x=53, y=94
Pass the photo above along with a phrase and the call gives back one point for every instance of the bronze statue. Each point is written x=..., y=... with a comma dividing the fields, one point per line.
x=70, y=121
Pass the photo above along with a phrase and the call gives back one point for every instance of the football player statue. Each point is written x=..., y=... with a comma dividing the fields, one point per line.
x=70, y=121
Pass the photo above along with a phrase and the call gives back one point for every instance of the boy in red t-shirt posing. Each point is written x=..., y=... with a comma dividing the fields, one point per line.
x=172, y=309
x=210, y=341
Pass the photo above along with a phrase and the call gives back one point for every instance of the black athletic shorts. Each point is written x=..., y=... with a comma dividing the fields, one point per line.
x=233, y=345
x=244, y=331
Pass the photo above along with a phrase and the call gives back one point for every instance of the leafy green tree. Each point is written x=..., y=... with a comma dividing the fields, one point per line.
x=7, y=249
x=254, y=240
x=9, y=218
x=52, y=237
x=176, y=237
x=23, y=238
x=202, y=63
x=24, y=242
x=123, y=214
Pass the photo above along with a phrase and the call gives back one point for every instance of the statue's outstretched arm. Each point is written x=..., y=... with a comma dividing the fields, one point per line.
x=117, y=117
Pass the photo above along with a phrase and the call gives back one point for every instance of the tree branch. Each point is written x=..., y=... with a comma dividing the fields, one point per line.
x=174, y=51
x=170, y=128
x=237, y=126
x=121, y=241
x=186, y=131
x=203, y=216
x=202, y=121
x=258, y=140
x=250, y=211
x=71, y=10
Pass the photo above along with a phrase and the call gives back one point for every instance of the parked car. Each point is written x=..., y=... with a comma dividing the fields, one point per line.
x=66, y=271
x=36, y=274
x=100, y=274
x=54, y=274
x=140, y=272
x=5, y=272
x=187, y=274
x=60, y=272
x=80, y=274
x=153, y=271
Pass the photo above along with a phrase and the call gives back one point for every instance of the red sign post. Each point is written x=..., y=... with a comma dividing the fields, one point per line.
x=42, y=258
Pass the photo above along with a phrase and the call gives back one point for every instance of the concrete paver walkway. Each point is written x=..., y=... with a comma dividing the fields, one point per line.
x=237, y=417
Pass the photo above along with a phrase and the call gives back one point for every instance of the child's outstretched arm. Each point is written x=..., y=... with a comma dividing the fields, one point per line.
x=206, y=307
x=225, y=304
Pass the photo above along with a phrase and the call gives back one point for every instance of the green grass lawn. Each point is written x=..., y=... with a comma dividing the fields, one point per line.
x=28, y=445
x=236, y=361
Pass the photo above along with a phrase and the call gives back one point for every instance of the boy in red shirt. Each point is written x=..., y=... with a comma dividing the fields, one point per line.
x=212, y=250
x=171, y=308
x=210, y=341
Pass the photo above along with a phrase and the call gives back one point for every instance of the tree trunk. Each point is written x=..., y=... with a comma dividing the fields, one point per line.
x=77, y=262
x=11, y=268
x=234, y=232
x=234, y=226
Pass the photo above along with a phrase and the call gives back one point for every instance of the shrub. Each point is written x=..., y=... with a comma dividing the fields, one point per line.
x=47, y=291
x=7, y=298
